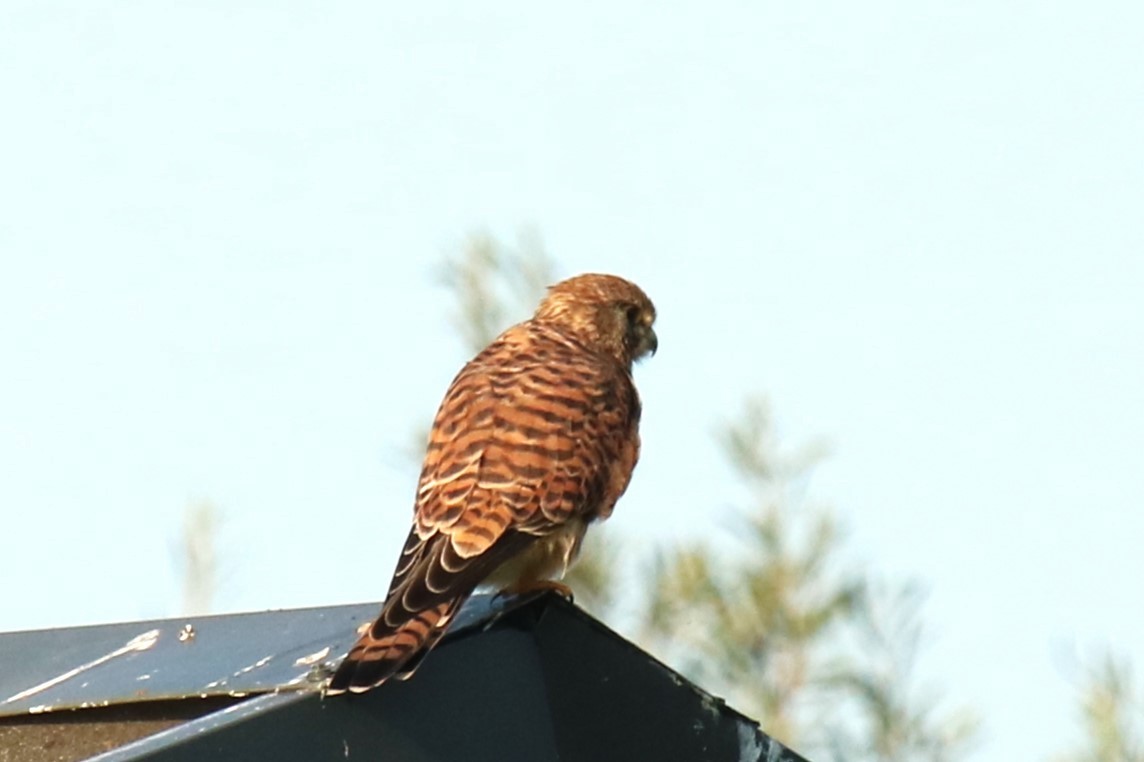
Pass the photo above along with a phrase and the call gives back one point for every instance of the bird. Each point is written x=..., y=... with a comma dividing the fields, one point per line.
x=535, y=439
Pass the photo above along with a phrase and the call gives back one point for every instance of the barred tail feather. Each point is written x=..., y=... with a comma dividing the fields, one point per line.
x=386, y=651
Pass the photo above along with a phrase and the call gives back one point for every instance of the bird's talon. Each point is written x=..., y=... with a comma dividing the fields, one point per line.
x=539, y=588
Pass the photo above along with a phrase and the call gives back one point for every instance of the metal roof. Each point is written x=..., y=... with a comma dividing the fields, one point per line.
x=533, y=680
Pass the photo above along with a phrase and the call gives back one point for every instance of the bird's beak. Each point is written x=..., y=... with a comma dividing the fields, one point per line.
x=650, y=341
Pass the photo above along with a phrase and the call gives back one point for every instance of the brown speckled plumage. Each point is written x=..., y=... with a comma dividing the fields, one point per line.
x=536, y=438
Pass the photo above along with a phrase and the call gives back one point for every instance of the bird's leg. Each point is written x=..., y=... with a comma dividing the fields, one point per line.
x=537, y=587
x=546, y=585
x=517, y=595
x=523, y=591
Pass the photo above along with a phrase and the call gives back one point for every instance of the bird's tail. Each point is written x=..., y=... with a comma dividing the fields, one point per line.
x=387, y=650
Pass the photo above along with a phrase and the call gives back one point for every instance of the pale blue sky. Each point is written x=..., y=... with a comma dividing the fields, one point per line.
x=916, y=226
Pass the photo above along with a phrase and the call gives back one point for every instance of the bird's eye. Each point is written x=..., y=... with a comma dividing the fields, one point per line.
x=633, y=314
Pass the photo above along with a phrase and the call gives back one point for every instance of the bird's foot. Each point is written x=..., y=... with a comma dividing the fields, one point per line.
x=514, y=597
x=530, y=591
x=539, y=587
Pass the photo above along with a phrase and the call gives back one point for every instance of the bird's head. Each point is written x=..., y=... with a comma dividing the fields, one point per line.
x=609, y=313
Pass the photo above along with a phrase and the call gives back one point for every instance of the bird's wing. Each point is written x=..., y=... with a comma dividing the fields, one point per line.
x=534, y=431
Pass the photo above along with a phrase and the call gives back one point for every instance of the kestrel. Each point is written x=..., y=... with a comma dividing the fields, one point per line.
x=536, y=439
